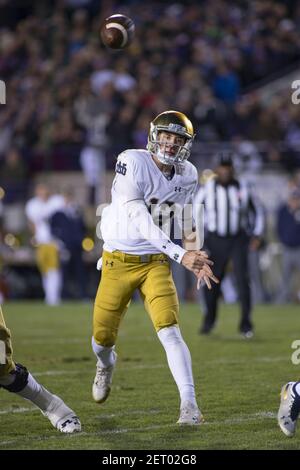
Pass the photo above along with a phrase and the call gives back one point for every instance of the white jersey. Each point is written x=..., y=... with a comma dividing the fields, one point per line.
x=38, y=213
x=139, y=178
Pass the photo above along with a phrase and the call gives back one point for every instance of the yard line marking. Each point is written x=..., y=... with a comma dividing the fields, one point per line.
x=55, y=373
x=129, y=413
x=123, y=365
x=77, y=371
x=230, y=421
x=17, y=410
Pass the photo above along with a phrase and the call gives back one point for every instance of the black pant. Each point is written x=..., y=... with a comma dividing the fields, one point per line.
x=74, y=270
x=220, y=251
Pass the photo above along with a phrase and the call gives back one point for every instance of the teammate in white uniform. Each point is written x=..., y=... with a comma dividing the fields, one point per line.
x=136, y=252
x=15, y=378
x=38, y=210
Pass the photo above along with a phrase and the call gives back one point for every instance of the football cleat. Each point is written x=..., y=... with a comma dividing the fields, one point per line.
x=190, y=414
x=62, y=417
x=289, y=409
x=102, y=383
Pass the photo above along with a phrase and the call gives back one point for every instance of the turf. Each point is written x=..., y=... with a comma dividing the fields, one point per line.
x=237, y=381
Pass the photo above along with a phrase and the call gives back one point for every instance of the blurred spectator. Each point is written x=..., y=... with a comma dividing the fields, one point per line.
x=226, y=84
x=94, y=113
x=67, y=226
x=288, y=229
x=13, y=177
x=198, y=57
x=38, y=211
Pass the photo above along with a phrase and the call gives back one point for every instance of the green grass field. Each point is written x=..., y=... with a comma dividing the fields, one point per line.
x=237, y=381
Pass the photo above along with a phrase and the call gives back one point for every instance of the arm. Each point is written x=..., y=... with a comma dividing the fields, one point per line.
x=128, y=187
x=195, y=260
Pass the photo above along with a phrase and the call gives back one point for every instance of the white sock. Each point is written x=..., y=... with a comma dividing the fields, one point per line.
x=106, y=356
x=179, y=360
x=52, y=286
x=297, y=388
x=36, y=393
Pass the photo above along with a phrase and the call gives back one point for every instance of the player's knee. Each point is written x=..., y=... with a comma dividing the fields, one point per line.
x=170, y=335
x=20, y=379
x=105, y=337
x=160, y=325
x=167, y=317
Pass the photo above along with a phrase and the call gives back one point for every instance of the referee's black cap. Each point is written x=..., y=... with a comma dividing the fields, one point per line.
x=225, y=159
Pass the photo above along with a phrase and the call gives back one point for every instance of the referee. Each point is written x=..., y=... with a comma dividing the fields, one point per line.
x=233, y=221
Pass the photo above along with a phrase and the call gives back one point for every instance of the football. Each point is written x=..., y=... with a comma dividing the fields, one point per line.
x=117, y=31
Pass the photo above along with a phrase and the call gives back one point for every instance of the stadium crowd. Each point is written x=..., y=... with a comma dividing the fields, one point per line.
x=66, y=92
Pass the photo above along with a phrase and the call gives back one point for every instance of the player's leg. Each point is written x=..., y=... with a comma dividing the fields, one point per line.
x=219, y=252
x=113, y=297
x=160, y=298
x=48, y=264
x=289, y=409
x=15, y=378
x=240, y=260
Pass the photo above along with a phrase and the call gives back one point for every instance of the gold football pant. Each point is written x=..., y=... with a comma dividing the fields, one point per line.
x=47, y=257
x=121, y=275
x=6, y=362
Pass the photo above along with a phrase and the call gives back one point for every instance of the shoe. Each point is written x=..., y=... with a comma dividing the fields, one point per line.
x=205, y=330
x=190, y=414
x=289, y=409
x=248, y=334
x=102, y=383
x=62, y=417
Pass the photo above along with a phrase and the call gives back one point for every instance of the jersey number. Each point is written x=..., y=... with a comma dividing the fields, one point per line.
x=158, y=213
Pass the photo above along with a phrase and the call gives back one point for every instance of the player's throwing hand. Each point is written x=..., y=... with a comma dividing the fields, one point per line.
x=197, y=261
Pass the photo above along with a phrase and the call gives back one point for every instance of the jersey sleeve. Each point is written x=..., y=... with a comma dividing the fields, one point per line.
x=127, y=184
x=30, y=211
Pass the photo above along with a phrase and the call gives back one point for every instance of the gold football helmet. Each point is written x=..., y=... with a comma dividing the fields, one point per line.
x=175, y=123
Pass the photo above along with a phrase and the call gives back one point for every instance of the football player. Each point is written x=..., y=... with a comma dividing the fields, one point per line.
x=38, y=211
x=136, y=254
x=16, y=378
x=289, y=409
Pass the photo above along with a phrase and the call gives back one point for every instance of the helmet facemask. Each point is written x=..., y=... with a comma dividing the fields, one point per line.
x=154, y=144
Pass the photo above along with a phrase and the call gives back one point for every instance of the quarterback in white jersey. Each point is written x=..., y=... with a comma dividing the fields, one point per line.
x=137, y=251
x=138, y=178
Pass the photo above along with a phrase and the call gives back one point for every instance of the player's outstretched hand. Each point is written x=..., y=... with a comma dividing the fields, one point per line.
x=197, y=261
x=206, y=275
x=194, y=260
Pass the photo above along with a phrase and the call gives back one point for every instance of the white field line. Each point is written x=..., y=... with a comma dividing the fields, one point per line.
x=71, y=372
x=226, y=422
x=17, y=410
x=129, y=413
x=55, y=373
x=124, y=366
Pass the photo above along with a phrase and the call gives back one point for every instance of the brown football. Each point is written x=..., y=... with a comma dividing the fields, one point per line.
x=117, y=31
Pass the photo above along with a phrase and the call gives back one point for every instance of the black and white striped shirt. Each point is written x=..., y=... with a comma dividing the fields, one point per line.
x=230, y=209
